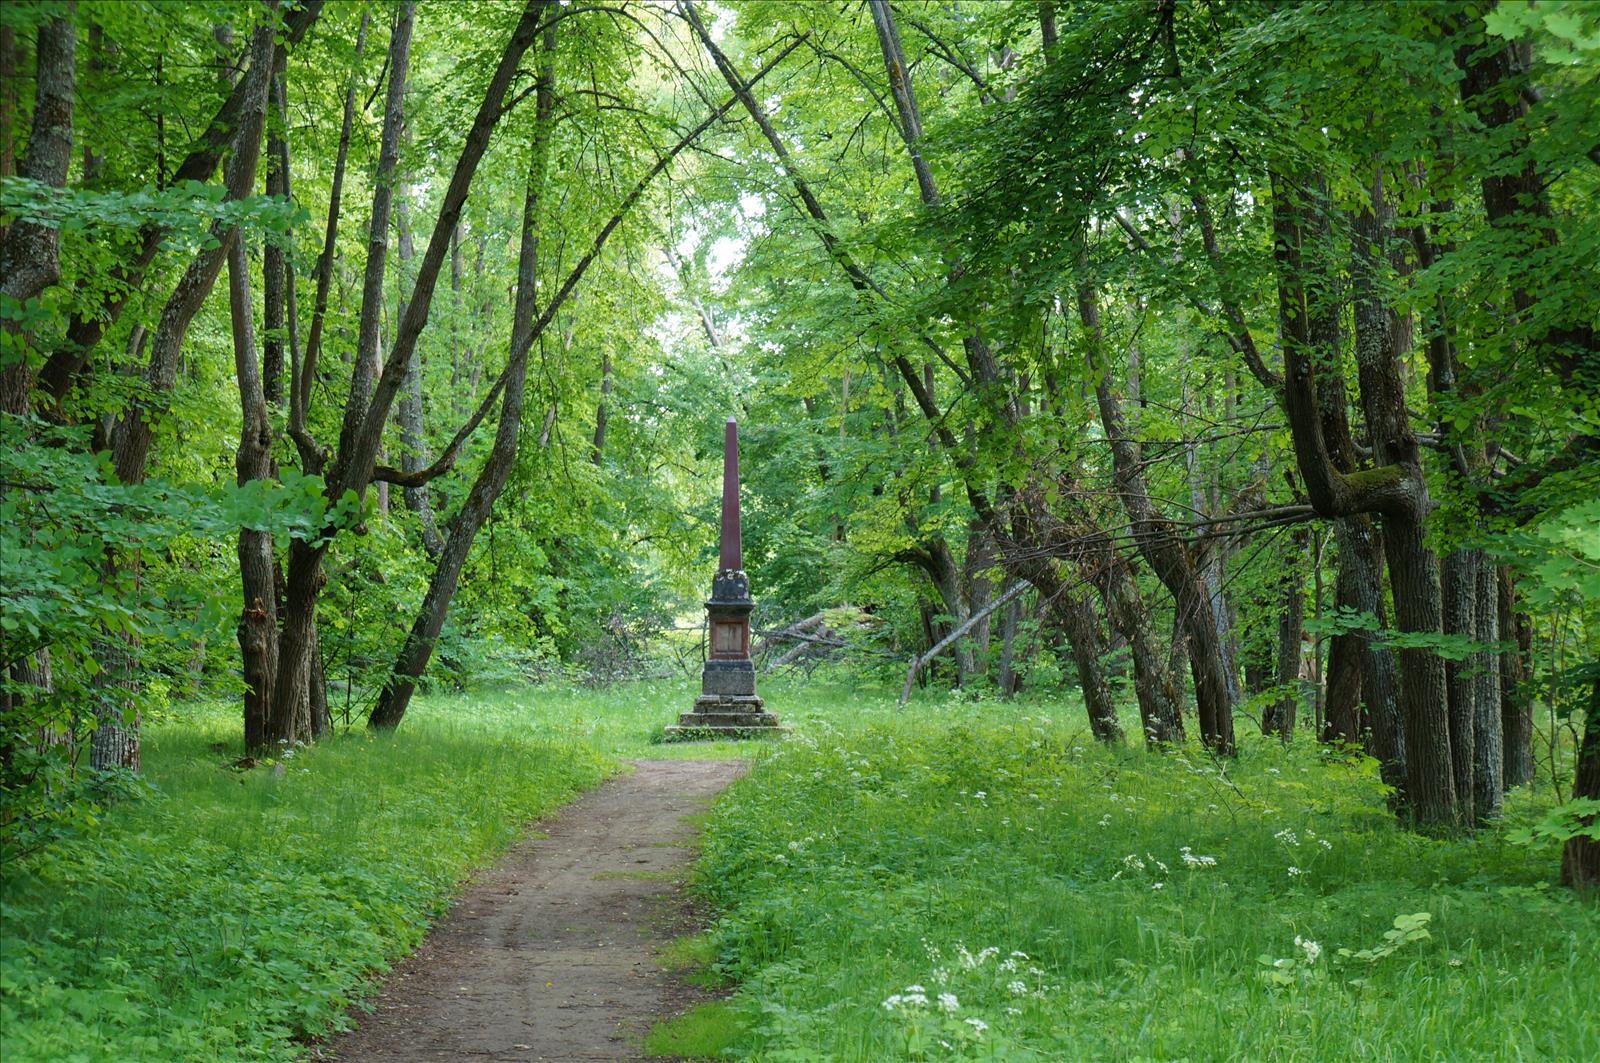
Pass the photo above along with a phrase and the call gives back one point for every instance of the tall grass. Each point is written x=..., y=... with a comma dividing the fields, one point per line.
x=1077, y=902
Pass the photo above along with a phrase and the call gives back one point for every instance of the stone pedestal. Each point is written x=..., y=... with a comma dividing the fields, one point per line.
x=728, y=706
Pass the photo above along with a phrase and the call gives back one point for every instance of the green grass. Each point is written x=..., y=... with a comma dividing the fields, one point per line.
x=231, y=913
x=703, y=1031
x=995, y=853
x=235, y=915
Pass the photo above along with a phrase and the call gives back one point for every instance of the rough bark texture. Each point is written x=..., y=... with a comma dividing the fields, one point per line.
x=1159, y=713
x=1279, y=717
x=1396, y=489
x=1488, y=750
x=30, y=253
x=1078, y=620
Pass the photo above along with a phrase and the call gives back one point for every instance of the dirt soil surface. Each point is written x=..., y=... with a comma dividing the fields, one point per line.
x=551, y=953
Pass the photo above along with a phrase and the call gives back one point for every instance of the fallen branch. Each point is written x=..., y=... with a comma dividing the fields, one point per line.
x=918, y=663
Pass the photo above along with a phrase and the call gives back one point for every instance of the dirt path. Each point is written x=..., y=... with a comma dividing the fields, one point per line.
x=550, y=954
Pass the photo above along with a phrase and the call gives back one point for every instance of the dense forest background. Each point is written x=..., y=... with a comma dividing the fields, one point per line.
x=1237, y=362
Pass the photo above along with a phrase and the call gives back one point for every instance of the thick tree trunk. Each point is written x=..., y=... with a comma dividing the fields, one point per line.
x=1159, y=713
x=1361, y=571
x=30, y=253
x=1077, y=618
x=1488, y=768
x=258, y=622
x=1397, y=489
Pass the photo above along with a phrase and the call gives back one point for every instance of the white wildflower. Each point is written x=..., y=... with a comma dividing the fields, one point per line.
x=1309, y=947
x=901, y=1001
x=1295, y=872
x=978, y=1025
x=1287, y=837
x=980, y=795
x=1013, y=1011
x=948, y=1001
x=1018, y=987
x=915, y=989
x=1158, y=885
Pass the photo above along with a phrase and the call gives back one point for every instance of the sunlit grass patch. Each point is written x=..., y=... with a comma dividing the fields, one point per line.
x=702, y=1032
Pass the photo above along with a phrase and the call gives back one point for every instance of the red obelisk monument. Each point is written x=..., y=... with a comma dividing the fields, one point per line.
x=728, y=705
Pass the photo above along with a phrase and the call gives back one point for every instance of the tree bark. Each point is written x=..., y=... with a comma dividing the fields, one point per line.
x=1159, y=713
x=1161, y=548
x=1516, y=705
x=1396, y=489
x=30, y=253
x=1580, y=855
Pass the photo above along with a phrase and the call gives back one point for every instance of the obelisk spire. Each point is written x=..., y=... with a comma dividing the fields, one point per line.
x=732, y=553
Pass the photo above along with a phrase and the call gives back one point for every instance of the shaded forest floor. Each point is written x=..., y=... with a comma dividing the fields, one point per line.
x=964, y=880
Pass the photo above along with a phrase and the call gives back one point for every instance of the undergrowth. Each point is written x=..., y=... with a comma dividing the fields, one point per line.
x=230, y=915
x=995, y=886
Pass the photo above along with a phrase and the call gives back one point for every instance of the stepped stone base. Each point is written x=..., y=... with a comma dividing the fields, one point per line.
x=725, y=716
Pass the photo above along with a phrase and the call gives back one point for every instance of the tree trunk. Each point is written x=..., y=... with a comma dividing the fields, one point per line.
x=30, y=253
x=1396, y=489
x=1488, y=750
x=1159, y=713
x=258, y=622
x=1516, y=705
x=600, y=409
x=1279, y=717
x=409, y=414
x=1077, y=617
x=1009, y=681
x=128, y=274
x=1165, y=553
x=1580, y=856
x=418, y=649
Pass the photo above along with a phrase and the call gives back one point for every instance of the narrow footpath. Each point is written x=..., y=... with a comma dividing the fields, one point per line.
x=551, y=953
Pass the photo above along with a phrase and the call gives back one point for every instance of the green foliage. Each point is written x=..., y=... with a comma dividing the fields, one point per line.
x=230, y=914
x=1081, y=902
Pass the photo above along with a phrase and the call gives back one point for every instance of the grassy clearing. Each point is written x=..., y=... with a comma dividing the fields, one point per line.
x=1076, y=902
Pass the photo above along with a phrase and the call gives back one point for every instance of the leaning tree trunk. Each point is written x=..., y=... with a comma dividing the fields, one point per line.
x=364, y=418
x=1076, y=615
x=1159, y=713
x=1158, y=543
